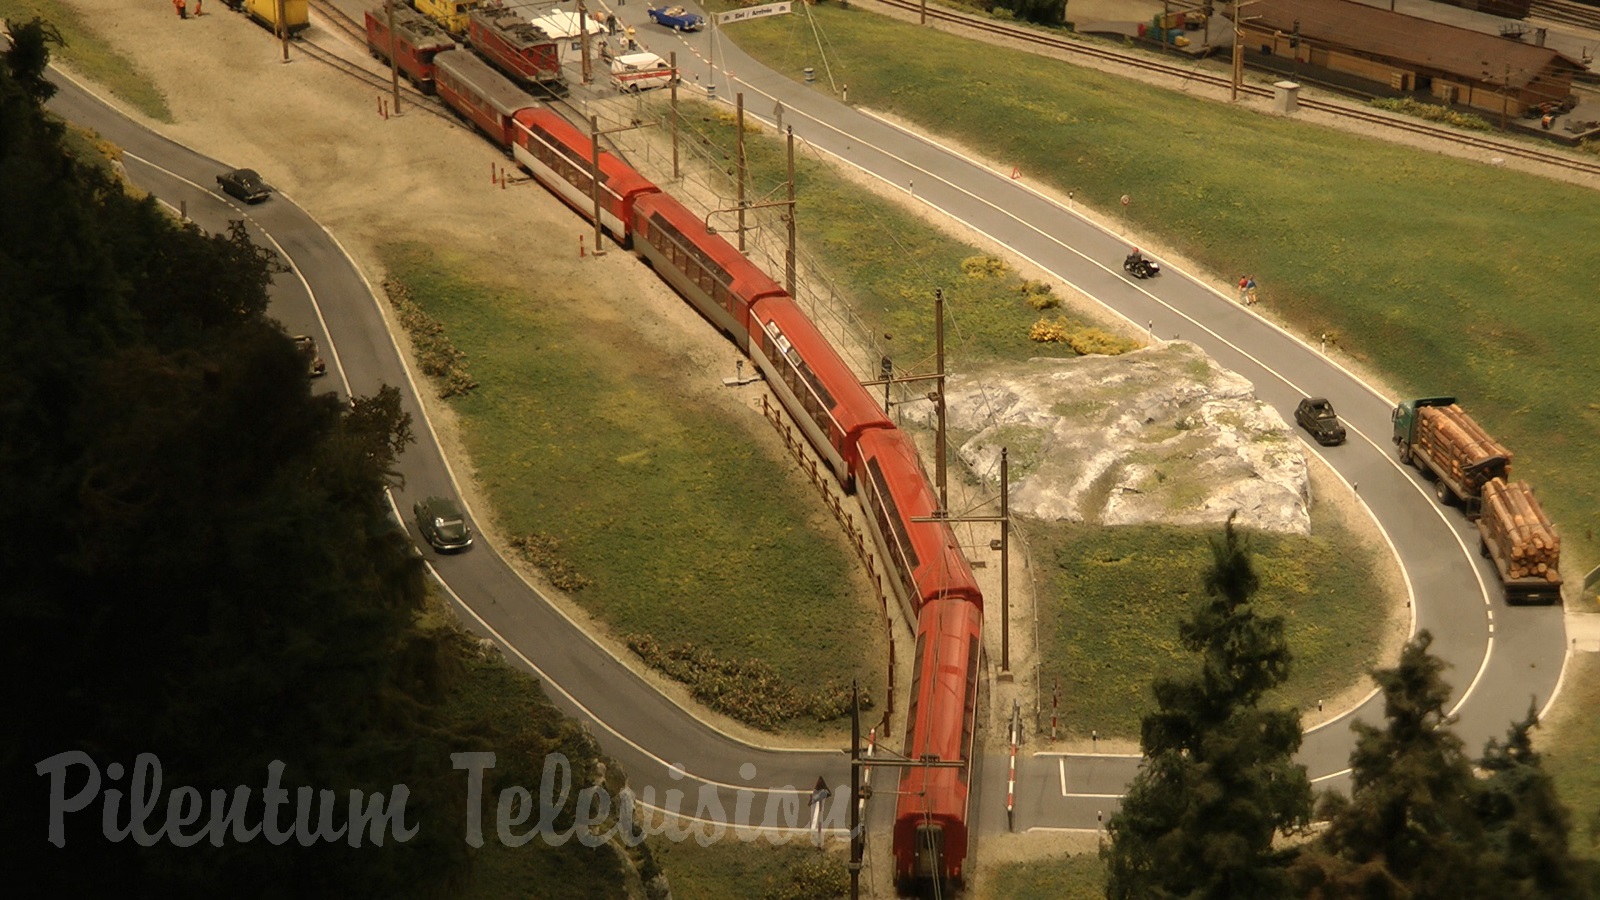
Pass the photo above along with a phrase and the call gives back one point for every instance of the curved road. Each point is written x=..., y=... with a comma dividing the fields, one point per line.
x=1502, y=657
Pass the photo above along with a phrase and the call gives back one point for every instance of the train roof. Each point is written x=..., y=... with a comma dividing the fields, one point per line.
x=938, y=567
x=466, y=67
x=576, y=145
x=744, y=277
x=419, y=31
x=512, y=28
x=852, y=408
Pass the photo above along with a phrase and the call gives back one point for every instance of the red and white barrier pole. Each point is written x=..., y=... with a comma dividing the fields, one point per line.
x=1011, y=776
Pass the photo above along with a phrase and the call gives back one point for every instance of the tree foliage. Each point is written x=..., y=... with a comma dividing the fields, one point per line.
x=199, y=560
x=1422, y=821
x=1219, y=782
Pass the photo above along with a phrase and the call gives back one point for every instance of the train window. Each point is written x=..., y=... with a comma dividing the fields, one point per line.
x=802, y=381
x=969, y=710
x=891, y=526
x=916, y=680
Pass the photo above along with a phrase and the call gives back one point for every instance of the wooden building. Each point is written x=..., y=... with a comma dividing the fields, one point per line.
x=1408, y=55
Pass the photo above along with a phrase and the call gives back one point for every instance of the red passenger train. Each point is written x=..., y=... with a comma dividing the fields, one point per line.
x=930, y=576
x=814, y=384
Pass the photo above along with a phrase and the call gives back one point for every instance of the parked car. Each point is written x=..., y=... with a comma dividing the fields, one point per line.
x=245, y=184
x=1316, y=415
x=677, y=18
x=442, y=524
x=308, y=346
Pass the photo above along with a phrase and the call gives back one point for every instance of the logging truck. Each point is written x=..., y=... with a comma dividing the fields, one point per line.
x=1515, y=534
x=1446, y=445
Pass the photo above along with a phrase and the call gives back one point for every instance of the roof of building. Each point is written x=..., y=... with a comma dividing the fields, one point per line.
x=560, y=23
x=1468, y=54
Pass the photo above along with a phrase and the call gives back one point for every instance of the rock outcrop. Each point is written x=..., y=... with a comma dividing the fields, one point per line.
x=1162, y=434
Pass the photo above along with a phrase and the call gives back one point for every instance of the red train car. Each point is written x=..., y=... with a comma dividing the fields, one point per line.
x=930, y=820
x=708, y=271
x=480, y=95
x=925, y=557
x=516, y=47
x=416, y=41
x=561, y=157
x=814, y=384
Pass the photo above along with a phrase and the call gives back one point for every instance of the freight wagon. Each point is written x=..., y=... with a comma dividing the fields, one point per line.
x=1515, y=534
x=265, y=12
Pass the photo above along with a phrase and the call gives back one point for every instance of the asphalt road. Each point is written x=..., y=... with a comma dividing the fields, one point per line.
x=1501, y=657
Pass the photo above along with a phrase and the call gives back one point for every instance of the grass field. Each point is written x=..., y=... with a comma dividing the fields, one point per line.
x=90, y=56
x=1118, y=594
x=753, y=871
x=685, y=535
x=1570, y=743
x=1079, y=876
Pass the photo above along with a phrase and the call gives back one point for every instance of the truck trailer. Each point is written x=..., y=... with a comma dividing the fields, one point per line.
x=1444, y=443
x=1515, y=534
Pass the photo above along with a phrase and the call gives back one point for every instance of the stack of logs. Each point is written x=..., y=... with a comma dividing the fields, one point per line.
x=1523, y=537
x=1450, y=436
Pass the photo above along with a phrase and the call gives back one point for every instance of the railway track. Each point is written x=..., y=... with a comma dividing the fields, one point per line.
x=1566, y=12
x=336, y=17
x=1192, y=75
x=382, y=83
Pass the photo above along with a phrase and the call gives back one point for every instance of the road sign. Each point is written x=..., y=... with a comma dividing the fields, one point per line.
x=754, y=12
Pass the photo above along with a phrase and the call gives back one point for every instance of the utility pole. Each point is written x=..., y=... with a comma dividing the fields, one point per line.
x=594, y=180
x=1505, y=97
x=283, y=31
x=394, y=62
x=855, y=790
x=1238, y=53
x=940, y=448
x=1166, y=10
x=789, y=254
x=583, y=48
x=738, y=105
x=675, y=79
x=1005, y=564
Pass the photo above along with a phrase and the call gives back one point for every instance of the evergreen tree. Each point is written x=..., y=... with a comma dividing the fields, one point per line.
x=1527, y=827
x=1409, y=827
x=1219, y=781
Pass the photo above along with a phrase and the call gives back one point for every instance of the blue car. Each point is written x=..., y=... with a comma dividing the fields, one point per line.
x=677, y=18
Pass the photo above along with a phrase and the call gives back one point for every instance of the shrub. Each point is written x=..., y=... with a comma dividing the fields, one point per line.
x=1082, y=339
x=1039, y=295
x=438, y=357
x=543, y=552
x=749, y=690
x=984, y=267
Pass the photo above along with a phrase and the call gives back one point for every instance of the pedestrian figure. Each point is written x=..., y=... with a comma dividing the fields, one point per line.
x=1250, y=291
x=1244, y=281
x=182, y=8
x=197, y=8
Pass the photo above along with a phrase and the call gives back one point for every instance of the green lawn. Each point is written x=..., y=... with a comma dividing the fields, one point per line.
x=1117, y=595
x=1570, y=743
x=684, y=534
x=1078, y=876
x=90, y=56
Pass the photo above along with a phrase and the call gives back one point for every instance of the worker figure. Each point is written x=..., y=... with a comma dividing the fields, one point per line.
x=182, y=8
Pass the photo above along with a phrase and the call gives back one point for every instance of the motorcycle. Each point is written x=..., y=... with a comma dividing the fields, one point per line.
x=1139, y=267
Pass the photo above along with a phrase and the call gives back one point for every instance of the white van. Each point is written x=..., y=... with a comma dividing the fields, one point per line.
x=634, y=72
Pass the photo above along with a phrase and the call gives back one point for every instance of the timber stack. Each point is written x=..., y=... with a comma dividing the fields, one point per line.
x=1452, y=439
x=1516, y=524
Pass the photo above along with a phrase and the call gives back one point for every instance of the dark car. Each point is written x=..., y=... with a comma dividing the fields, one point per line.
x=1316, y=415
x=442, y=524
x=244, y=184
x=308, y=346
x=677, y=18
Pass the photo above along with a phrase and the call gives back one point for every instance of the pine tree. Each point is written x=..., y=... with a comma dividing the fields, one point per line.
x=1410, y=822
x=1527, y=827
x=1219, y=781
